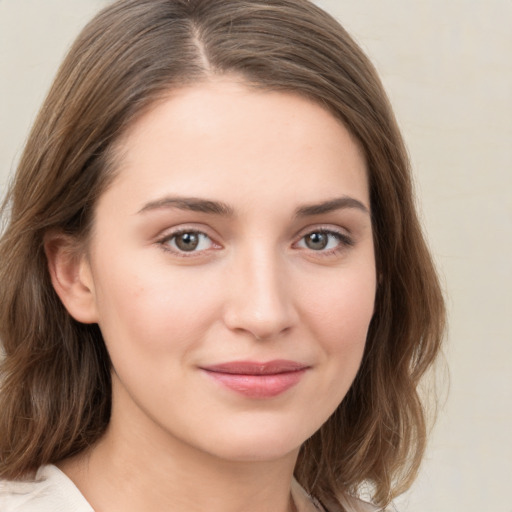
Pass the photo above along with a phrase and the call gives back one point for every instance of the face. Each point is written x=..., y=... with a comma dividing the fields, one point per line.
x=231, y=269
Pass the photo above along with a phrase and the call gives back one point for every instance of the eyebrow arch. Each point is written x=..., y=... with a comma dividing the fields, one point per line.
x=338, y=203
x=193, y=204
x=219, y=208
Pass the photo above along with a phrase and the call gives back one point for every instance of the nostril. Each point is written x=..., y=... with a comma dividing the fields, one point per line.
x=260, y=324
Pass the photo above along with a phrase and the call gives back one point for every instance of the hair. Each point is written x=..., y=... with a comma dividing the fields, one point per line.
x=55, y=394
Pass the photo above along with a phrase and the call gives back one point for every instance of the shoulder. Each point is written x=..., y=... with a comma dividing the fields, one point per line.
x=347, y=503
x=357, y=505
x=50, y=491
x=306, y=503
x=352, y=504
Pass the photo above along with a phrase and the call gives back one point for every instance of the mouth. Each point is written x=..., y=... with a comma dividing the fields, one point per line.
x=257, y=379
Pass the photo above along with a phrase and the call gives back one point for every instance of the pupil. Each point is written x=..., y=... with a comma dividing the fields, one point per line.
x=317, y=241
x=187, y=241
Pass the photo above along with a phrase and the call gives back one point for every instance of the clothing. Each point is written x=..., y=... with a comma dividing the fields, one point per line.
x=50, y=491
x=53, y=491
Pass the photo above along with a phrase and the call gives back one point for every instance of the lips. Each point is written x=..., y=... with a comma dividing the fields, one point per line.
x=257, y=379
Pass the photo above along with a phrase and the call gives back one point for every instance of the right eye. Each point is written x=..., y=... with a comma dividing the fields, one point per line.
x=189, y=241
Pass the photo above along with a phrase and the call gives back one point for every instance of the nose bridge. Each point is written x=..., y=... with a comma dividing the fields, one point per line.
x=260, y=300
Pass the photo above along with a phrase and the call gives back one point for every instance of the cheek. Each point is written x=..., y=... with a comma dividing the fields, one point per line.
x=337, y=314
x=342, y=308
x=154, y=308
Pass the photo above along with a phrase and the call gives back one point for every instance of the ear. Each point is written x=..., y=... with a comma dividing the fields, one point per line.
x=71, y=276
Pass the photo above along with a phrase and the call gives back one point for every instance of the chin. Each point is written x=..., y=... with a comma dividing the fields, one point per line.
x=256, y=451
x=258, y=443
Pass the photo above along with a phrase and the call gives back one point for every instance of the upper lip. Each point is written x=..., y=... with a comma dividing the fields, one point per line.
x=257, y=368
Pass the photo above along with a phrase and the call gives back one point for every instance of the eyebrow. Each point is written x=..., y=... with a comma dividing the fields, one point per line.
x=193, y=204
x=339, y=203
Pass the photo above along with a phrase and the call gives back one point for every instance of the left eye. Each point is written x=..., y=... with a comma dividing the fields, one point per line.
x=189, y=241
x=321, y=240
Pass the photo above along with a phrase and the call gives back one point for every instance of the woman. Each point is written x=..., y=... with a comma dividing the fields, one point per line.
x=215, y=291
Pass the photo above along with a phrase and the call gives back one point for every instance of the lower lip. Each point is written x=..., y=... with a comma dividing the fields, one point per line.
x=258, y=386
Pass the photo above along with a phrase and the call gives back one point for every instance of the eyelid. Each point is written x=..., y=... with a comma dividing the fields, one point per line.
x=169, y=234
x=323, y=228
x=345, y=239
x=342, y=234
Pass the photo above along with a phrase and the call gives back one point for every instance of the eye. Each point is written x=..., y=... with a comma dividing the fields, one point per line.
x=324, y=240
x=187, y=242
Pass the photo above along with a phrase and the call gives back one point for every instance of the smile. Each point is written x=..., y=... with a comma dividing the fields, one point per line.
x=258, y=380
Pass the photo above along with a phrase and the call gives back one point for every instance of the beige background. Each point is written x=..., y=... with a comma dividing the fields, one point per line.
x=447, y=67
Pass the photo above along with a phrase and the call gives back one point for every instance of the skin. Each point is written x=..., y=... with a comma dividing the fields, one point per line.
x=256, y=288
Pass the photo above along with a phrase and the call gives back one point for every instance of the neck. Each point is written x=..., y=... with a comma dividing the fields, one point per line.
x=132, y=468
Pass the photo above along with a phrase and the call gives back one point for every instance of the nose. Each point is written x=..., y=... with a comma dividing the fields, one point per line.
x=260, y=301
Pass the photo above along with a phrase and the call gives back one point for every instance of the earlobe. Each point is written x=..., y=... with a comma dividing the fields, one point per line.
x=71, y=276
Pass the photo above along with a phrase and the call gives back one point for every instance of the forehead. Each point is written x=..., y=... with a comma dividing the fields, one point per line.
x=225, y=139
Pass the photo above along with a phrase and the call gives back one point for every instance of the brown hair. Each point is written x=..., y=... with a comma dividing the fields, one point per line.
x=55, y=376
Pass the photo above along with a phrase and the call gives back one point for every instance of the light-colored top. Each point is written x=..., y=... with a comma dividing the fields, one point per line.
x=52, y=491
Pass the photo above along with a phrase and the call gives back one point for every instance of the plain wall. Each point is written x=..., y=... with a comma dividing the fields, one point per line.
x=447, y=67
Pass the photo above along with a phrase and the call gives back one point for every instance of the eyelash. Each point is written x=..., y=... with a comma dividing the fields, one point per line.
x=344, y=242
x=164, y=242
